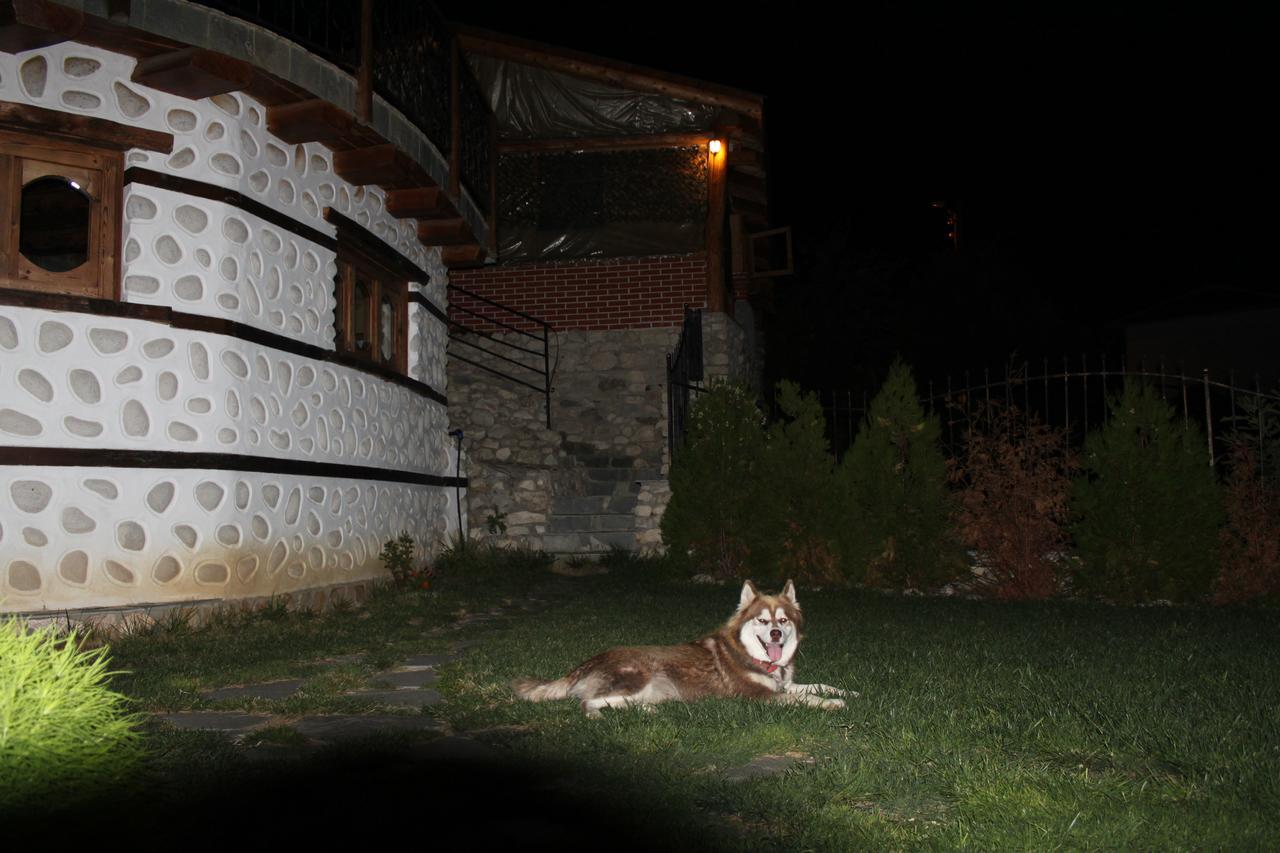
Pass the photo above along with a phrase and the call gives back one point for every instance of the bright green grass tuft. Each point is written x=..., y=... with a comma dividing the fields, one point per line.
x=63, y=732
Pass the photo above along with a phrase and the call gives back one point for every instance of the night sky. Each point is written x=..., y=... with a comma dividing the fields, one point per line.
x=1101, y=164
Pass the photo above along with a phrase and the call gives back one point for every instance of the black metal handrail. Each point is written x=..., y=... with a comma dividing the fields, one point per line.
x=499, y=317
x=684, y=367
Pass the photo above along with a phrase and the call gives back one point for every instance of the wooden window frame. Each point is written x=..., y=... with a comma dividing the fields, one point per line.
x=383, y=282
x=102, y=171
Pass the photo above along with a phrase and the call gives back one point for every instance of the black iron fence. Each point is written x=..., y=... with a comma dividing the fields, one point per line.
x=507, y=343
x=684, y=367
x=1069, y=396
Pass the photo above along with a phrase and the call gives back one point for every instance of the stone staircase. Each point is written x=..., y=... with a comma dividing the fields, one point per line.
x=594, y=509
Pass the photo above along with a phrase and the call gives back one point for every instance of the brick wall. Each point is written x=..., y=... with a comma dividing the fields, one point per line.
x=590, y=295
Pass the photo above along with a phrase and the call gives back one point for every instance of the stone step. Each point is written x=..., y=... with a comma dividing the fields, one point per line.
x=591, y=523
x=592, y=504
x=580, y=543
x=610, y=487
x=622, y=475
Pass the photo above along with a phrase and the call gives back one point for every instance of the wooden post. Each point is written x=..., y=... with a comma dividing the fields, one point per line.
x=455, y=120
x=716, y=204
x=364, y=82
x=493, y=187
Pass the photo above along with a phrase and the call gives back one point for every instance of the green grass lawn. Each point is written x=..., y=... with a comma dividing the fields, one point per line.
x=981, y=724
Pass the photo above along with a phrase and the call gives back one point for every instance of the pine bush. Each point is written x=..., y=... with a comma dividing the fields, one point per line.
x=711, y=519
x=1147, y=506
x=896, y=528
x=799, y=510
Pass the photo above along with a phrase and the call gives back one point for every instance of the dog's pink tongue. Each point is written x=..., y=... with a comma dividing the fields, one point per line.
x=773, y=650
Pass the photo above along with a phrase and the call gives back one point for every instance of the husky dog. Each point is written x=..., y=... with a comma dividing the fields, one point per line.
x=751, y=656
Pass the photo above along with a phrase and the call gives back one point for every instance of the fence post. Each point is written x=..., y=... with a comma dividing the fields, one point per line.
x=1208, y=415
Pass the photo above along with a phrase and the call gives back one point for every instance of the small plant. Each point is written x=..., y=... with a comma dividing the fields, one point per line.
x=1147, y=505
x=1014, y=483
x=496, y=523
x=397, y=556
x=63, y=732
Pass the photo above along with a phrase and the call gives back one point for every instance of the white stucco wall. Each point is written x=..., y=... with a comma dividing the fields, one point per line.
x=80, y=537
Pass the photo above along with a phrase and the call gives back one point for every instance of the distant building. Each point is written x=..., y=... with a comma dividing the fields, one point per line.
x=1229, y=331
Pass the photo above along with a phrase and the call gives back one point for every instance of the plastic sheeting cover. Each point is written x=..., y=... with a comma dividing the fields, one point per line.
x=534, y=103
x=578, y=204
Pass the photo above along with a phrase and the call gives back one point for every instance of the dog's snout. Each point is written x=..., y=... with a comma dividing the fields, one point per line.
x=775, y=635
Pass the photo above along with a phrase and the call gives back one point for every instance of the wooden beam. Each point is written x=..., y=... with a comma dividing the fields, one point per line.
x=364, y=75
x=717, y=294
x=754, y=211
x=317, y=120
x=455, y=121
x=420, y=203
x=85, y=129
x=607, y=143
x=748, y=161
x=611, y=71
x=748, y=187
x=29, y=24
x=462, y=257
x=353, y=236
x=445, y=232
x=384, y=165
x=194, y=73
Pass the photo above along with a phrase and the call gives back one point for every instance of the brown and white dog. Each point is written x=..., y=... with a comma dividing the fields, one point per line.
x=751, y=657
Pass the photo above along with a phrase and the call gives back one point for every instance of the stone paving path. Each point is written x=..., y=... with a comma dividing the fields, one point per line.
x=409, y=685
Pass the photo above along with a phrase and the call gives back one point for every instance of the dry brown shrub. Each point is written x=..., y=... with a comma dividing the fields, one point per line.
x=1014, y=482
x=1250, y=570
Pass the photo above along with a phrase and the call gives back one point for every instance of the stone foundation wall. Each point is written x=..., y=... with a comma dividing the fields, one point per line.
x=599, y=473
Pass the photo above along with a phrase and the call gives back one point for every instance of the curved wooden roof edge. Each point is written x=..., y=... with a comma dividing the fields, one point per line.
x=591, y=67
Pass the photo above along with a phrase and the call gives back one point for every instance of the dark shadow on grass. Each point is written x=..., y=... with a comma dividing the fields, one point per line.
x=443, y=792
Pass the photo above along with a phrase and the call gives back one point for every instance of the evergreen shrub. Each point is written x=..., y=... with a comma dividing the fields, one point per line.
x=712, y=517
x=895, y=529
x=799, y=507
x=1146, y=504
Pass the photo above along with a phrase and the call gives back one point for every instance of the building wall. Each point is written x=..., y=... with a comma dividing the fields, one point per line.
x=593, y=295
x=75, y=537
x=614, y=322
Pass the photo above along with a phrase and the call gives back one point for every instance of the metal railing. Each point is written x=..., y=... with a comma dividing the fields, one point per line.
x=485, y=327
x=1060, y=394
x=414, y=63
x=684, y=367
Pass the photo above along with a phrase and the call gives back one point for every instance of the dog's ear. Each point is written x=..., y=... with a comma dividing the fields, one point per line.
x=748, y=595
x=789, y=593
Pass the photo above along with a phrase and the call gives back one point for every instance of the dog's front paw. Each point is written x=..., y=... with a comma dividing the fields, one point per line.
x=831, y=704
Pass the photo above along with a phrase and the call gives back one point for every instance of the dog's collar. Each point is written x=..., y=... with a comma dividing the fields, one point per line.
x=767, y=665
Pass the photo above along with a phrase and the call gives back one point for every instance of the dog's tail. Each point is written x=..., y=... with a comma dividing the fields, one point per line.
x=532, y=690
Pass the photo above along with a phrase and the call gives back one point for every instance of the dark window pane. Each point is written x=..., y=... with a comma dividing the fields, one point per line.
x=361, y=311
x=54, y=228
x=387, y=329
